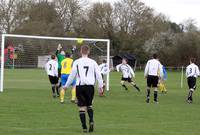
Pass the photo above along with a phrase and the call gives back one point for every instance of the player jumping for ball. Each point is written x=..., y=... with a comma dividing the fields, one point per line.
x=127, y=74
x=60, y=54
x=192, y=72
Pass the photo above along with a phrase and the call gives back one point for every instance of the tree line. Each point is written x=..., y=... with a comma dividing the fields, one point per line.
x=132, y=26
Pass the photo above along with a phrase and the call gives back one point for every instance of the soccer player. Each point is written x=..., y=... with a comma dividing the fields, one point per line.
x=192, y=72
x=52, y=71
x=127, y=74
x=153, y=71
x=104, y=69
x=86, y=71
x=60, y=56
x=66, y=66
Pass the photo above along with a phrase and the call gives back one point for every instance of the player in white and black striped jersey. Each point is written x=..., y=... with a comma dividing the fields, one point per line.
x=127, y=74
x=153, y=71
x=104, y=69
x=51, y=68
x=192, y=72
x=86, y=72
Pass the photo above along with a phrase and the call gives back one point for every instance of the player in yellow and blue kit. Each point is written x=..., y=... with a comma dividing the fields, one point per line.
x=66, y=67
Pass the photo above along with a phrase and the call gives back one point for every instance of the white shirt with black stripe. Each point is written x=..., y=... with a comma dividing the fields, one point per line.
x=51, y=68
x=104, y=69
x=153, y=68
x=127, y=71
x=86, y=72
x=192, y=70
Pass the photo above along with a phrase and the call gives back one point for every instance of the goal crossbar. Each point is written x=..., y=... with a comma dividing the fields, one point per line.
x=50, y=38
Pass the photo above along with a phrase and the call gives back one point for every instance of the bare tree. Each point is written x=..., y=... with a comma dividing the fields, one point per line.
x=190, y=25
x=69, y=11
x=100, y=16
x=12, y=14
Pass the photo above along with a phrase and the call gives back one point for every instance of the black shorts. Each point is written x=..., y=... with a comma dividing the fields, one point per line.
x=53, y=79
x=152, y=81
x=85, y=95
x=127, y=79
x=59, y=72
x=191, y=82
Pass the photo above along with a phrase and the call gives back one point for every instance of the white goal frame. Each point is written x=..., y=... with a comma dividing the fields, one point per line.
x=51, y=38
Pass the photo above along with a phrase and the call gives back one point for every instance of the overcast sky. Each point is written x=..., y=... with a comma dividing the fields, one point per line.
x=176, y=10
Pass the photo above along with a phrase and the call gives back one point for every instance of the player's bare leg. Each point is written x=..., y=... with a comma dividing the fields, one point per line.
x=123, y=85
x=134, y=85
x=101, y=94
x=148, y=94
x=91, y=120
x=82, y=111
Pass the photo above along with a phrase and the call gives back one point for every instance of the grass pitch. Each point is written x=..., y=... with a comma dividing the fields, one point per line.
x=27, y=108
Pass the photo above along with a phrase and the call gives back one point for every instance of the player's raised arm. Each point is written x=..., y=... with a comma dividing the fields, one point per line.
x=58, y=49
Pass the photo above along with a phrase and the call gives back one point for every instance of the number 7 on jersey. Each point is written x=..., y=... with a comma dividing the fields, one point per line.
x=86, y=70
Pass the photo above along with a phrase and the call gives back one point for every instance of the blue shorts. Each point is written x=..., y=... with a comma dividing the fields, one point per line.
x=64, y=78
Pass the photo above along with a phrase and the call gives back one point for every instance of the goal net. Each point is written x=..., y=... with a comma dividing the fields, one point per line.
x=25, y=54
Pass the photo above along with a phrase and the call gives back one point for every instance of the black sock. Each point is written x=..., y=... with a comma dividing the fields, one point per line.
x=156, y=96
x=190, y=95
x=136, y=87
x=53, y=89
x=90, y=114
x=124, y=86
x=83, y=119
x=148, y=93
x=57, y=90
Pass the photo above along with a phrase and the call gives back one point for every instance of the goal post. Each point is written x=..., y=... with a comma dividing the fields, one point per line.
x=5, y=36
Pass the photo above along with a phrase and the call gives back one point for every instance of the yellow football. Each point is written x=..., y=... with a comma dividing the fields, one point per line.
x=80, y=41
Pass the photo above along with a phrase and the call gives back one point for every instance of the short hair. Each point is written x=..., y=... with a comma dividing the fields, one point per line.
x=53, y=56
x=193, y=60
x=155, y=56
x=104, y=61
x=125, y=59
x=67, y=55
x=85, y=49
